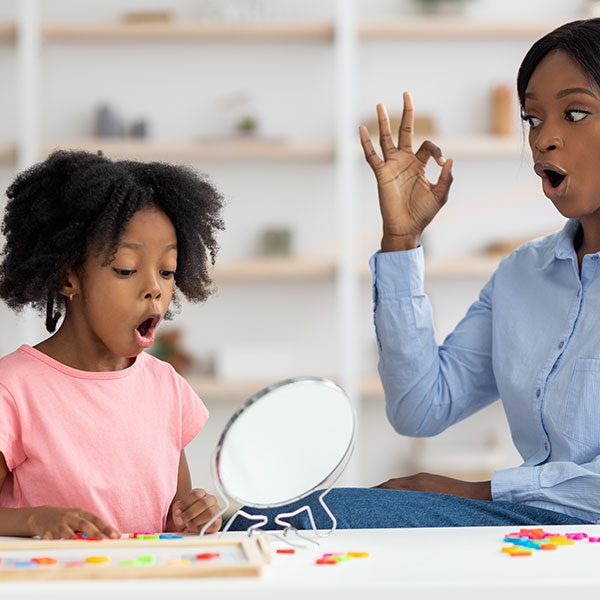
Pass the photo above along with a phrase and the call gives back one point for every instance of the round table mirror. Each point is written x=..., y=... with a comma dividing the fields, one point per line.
x=285, y=442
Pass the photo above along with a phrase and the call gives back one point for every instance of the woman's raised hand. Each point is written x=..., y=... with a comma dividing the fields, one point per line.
x=408, y=201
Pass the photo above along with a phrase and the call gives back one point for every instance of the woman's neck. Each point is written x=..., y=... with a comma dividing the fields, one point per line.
x=587, y=239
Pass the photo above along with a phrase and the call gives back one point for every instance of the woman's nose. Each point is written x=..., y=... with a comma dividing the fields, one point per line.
x=548, y=141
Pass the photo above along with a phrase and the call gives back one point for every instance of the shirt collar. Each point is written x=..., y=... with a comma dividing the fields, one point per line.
x=563, y=247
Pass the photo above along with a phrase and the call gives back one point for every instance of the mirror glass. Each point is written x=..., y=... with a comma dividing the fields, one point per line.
x=285, y=442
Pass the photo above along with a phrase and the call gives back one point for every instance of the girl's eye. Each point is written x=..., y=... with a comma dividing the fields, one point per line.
x=533, y=121
x=576, y=115
x=124, y=272
x=167, y=274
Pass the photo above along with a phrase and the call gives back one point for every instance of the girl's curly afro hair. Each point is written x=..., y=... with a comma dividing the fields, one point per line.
x=75, y=202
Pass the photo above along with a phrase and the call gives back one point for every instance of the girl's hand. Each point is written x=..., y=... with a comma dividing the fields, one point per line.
x=54, y=523
x=408, y=201
x=427, y=482
x=195, y=510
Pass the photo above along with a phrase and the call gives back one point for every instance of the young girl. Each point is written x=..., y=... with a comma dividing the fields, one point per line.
x=93, y=429
x=532, y=338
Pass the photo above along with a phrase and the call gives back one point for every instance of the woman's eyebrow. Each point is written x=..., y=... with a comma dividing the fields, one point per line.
x=577, y=90
x=565, y=92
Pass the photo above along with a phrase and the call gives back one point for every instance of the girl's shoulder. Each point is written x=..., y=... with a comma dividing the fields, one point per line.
x=159, y=370
x=17, y=362
x=18, y=369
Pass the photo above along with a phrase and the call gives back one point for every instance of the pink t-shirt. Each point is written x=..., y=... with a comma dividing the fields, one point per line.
x=106, y=442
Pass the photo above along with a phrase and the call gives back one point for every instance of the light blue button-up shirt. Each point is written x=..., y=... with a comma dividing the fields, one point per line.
x=532, y=339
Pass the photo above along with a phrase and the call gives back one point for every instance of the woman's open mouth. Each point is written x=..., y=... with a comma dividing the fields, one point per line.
x=144, y=332
x=554, y=180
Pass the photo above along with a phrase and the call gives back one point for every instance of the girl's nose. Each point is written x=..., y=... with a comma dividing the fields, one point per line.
x=152, y=289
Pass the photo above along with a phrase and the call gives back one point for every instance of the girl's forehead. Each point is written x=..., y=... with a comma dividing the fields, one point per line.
x=149, y=223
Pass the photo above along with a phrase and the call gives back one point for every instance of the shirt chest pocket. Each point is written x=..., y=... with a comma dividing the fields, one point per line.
x=582, y=413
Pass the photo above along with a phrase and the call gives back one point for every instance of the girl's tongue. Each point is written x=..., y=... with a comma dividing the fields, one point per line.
x=144, y=333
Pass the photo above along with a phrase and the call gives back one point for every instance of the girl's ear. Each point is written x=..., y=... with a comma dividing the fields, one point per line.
x=71, y=286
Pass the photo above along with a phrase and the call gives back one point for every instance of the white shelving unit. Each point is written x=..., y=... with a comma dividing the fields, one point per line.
x=345, y=33
x=346, y=37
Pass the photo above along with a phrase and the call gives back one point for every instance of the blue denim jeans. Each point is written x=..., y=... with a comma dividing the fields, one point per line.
x=369, y=508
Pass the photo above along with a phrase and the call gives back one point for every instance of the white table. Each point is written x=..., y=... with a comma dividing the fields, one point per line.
x=443, y=563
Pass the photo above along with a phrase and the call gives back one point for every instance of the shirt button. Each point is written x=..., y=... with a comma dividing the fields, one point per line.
x=537, y=393
x=595, y=257
x=545, y=446
x=561, y=345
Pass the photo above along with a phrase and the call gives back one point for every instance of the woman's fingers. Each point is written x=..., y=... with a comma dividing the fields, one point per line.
x=385, y=133
x=405, y=134
x=370, y=155
x=429, y=150
x=442, y=187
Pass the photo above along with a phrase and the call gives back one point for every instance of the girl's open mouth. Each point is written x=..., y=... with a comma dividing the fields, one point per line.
x=144, y=332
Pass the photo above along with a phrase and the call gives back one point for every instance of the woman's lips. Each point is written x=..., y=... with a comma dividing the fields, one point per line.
x=554, y=193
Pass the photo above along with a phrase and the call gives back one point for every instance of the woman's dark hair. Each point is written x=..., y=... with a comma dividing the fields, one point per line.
x=76, y=202
x=579, y=39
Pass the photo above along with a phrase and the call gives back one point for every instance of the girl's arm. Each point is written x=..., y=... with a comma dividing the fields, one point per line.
x=191, y=508
x=49, y=522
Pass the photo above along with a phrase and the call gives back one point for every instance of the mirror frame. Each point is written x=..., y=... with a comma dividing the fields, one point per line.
x=333, y=475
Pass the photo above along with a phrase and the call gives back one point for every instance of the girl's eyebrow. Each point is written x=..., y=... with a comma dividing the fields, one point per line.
x=134, y=246
x=566, y=92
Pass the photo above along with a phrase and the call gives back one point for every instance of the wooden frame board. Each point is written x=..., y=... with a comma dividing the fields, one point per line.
x=238, y=558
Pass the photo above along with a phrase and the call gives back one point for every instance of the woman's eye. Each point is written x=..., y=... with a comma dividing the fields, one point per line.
x=533, y=121
x=167, y=274
x=124, y=272
x=576, y=115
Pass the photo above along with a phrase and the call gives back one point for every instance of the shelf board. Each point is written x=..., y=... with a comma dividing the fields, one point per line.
x=274, y=269
x=486, y=146
x=8, y=152
x=300, y=269
x=471, y=266
x=483, y=146
x=209, y=149
x=397, y=28
x=370, y=387
x=453, y=28
x=8, y=32
x=202, y=31
x=220, y=389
